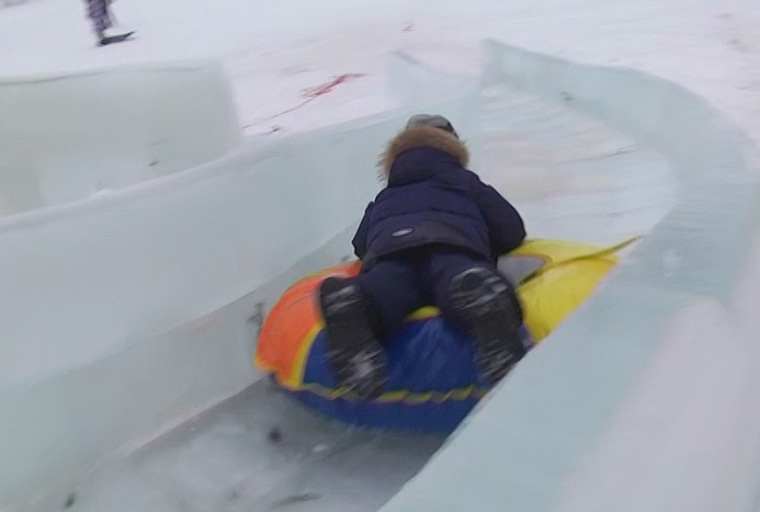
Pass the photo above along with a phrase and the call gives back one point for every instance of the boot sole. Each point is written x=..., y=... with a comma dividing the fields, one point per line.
x=490, y=308
x=354, y=353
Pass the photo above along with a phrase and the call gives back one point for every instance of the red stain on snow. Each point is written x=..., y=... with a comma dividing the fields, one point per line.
x=328, y=87
x=313, y=93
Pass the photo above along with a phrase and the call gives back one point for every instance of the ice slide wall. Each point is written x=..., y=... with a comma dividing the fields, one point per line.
x=129, y=311
x=646, y=399
x=63, y=138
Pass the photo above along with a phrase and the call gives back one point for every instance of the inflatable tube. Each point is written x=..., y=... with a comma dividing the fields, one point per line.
x=433, y=381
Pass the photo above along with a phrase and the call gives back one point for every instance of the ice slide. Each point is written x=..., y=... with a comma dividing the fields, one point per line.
x=641, y=401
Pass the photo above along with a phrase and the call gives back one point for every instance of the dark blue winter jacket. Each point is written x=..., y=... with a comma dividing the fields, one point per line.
x=432, y=199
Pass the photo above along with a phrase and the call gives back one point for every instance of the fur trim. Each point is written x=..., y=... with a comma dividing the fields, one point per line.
x=423, y=136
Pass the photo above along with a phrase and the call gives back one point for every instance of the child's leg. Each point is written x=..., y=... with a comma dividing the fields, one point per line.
x=480, y=301
x=394, y=290
x=353, y=350
x=356, y=313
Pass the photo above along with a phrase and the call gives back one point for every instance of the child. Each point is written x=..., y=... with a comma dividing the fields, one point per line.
x=432, y=236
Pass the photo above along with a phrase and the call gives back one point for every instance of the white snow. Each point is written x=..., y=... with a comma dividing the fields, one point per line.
x=275, y=50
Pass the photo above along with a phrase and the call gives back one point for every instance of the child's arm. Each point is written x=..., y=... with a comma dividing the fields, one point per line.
x=506, y=230
x=360, y=238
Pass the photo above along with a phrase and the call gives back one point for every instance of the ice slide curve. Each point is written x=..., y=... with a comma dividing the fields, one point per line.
x=621, y=408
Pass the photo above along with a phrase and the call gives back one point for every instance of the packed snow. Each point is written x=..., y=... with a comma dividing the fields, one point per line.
x=277, y=51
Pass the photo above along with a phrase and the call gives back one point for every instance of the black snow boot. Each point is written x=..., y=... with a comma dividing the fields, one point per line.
x=354, y=352
x=488, y=306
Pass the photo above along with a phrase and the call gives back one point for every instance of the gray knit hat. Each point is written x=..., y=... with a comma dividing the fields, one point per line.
x=436, y=121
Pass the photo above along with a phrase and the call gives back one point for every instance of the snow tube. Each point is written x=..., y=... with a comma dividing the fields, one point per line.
x=433, y=381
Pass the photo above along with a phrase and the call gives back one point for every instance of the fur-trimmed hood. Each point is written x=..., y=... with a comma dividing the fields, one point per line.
x=420, y=137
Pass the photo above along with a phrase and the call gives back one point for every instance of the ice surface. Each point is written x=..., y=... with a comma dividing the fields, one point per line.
x=257, y=452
